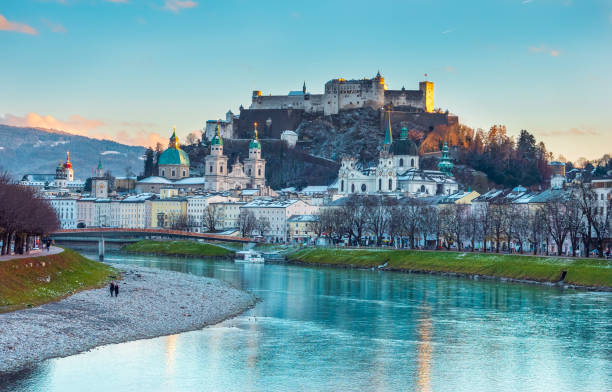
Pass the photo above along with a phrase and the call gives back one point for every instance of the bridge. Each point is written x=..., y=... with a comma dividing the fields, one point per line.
x=124, y=235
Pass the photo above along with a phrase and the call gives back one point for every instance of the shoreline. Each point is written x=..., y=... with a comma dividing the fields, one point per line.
x=568, y=274
x=93, y=318
x=453, y=274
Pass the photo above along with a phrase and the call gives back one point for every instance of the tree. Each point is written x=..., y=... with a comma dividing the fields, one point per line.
x=412, y=219
x=537, y=227
x=262, y=224
x=148, y=163
x=483, y=217
x=246, y=223
x=211, y=217
x=522, y=227
x=497, y=209
x=356, y=214
x=575, y=221
x=556, y=222
x=177, y=221
x=430, y=224
x=378, y=215
x=316, y=226
x=192, y=139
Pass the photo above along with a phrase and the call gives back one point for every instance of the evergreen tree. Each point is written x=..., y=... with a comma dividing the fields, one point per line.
x=148, y=164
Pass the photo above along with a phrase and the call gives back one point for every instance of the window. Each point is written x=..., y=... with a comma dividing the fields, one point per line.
x=184, y=175
x=412, y=162
x=363, y=187
x=342, y=186
x=249, y=172
x=390, y=184
x=221, y=169
x=379, y=184
x=352, y=188
x=422, y=188
x=173, y=173
x=401, y=162
x=163, y=173
x=259, y=172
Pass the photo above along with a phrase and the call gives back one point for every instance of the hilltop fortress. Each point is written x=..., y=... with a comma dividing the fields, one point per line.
x=278, y=114
x=342, y=94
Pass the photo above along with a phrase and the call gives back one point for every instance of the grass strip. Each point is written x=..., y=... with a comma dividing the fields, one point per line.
x=580, y=272
x=178, y=248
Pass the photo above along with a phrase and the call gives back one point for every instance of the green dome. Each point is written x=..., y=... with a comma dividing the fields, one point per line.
x=403, y=147
x=174, y=156
x=255, y=144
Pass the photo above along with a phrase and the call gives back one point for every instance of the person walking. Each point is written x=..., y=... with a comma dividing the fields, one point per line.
x=112, y=288
x=116, y=289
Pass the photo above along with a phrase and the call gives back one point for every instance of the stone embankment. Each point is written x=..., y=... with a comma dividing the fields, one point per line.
x=151, y=303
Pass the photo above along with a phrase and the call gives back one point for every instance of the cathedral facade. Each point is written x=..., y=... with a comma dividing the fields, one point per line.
x=397, y=171
x=248, y=175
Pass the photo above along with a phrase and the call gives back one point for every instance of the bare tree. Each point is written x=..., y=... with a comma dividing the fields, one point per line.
x=431, y=225
x=246, y=223
x=177, y=221
x=556, y=222
x=497, y=211
x=483, y=217
x=378, y=215
x=192, y=138
x=396, y=221
x=356, y=214
x=412, y=222
x=522, y=227
x=262, y=224
x=472, y=228
x=211, y=217
x=574, y=220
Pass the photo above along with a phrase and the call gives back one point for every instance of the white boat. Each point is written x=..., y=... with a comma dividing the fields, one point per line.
x=248, y=256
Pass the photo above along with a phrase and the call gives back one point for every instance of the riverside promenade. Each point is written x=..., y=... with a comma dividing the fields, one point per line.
x=34, y=253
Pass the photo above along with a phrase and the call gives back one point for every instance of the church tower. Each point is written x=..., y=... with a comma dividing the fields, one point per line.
x=216, y=165
x=99, y=184
x=255, y=166
x=68, y=168
x=388, y=133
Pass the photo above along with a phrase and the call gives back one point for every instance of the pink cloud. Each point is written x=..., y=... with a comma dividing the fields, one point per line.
x=55, y=27
x=7, y=25
x=545, y=49
x=572, y=132
x=134, y=135
x=177, y=5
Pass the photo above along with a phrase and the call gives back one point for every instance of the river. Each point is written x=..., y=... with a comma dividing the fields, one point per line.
x=323, y=329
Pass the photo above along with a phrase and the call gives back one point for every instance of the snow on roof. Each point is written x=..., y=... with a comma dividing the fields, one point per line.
x=249, y=192
x=155, y=180
x=303, y=218
x=270, y=203
x=191, y=181
x=314, y=189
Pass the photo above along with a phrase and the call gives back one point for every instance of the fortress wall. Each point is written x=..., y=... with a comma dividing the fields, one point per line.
x=422, y=121
x=412, y=98
x=278, y=102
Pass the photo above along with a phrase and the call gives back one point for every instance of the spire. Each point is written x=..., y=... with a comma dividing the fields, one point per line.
x=255, y=142
x=304, y=87
x=68, y=164
x=445, y=165
x=216, y=140
x=388, y=133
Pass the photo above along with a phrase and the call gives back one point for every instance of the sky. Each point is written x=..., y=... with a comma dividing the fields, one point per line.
x=130, y=70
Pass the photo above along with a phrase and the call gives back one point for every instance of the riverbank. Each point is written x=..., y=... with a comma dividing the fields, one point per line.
x=42, y=278
x=151, y=303
x=178, y=248
x=594, y=274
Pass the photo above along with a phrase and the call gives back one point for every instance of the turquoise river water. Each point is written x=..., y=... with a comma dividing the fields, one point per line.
x=321, y=329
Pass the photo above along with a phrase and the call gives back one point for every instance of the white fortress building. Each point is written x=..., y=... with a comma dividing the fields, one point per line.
x=397, y=171
x=341, y=94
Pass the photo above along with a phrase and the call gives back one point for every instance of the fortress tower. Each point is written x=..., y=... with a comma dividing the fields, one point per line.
x=428, y=95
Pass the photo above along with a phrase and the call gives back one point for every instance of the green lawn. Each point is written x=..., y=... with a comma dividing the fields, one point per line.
x=583, y=272
x=37, y=280
x=178, y=248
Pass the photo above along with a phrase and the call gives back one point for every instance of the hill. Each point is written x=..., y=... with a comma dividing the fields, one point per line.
x=37, y=150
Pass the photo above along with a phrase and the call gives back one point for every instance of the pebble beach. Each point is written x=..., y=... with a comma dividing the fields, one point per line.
x=151, y=303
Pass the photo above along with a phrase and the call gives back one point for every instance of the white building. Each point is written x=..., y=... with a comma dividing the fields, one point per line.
x=397, y=171
x=66, y=210
x=229, y=213
x=277, y=212
x=197, y=209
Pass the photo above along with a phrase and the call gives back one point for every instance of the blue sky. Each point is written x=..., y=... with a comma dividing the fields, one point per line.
x=132, y=69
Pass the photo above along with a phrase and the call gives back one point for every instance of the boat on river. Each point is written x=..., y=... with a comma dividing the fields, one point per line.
x=249, y=256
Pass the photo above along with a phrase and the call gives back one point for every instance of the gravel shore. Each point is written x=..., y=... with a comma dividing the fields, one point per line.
x=151, y=303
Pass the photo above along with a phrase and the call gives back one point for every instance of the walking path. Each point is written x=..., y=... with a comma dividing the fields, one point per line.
x=151, y=303
x=33, y=253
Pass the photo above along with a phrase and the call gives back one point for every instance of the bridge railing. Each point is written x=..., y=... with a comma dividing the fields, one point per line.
x=169, y=232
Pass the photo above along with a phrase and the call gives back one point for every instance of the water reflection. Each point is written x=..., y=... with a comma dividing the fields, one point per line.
x=329, y=330
x=424, y=352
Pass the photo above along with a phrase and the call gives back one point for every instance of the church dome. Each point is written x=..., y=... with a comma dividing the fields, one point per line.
x=174, y=155
x=404, y=147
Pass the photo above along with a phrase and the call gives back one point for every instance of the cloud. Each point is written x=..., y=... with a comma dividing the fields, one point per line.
x=545, y=49
x=132, y=133
x=177, y=5
x=55, y=27
x=448, y=31
x=7, y=25
x=526, y=1
x=118, y=1
x=572, y=132
x=451, y=69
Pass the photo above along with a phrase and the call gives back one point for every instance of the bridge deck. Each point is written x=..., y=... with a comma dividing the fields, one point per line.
x=162, y=232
